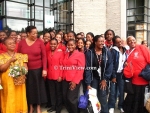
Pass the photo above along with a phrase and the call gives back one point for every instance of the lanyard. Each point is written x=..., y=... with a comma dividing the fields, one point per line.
x=99, y=58
x=129, y=53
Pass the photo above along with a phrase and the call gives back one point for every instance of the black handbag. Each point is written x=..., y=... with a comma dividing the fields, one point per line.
x=128, y=87
x=145, y=73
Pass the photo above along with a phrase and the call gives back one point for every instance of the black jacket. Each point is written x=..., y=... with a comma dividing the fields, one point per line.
x=92, y=62
x=115, y=59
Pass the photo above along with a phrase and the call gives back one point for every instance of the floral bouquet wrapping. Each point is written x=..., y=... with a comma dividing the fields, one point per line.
x=18, y=73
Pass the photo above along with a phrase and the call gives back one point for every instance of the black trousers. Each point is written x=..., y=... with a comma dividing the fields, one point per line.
x=55, y=89
x=134, y=103
x=70, y=97
x=48, y=93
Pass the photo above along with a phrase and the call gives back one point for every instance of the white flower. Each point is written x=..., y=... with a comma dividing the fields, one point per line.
x=18, y=73
x=15, y=67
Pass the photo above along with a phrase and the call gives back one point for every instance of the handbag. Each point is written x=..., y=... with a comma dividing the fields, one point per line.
x=128, y=87
x=83, y=101
x=145, y=73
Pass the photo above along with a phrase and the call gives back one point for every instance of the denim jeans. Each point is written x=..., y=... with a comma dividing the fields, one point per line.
x=101, y=94
x=116, y=88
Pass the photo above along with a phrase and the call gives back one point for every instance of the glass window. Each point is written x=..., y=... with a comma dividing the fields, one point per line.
x=130, y=19
x=140, y=10
x=48, y=12
x=47, y=3
x=131, y=4
x=23, y=1
x=146, y=3
x=39, y=26
x=141, y=26
x=140, y=18
x=62, y=27
x=58, y=8
x=140, y=35
x=131, y=33
x=148, y=26
x=139, y=3
x=22, y=10
x=145, y=11
x=39, y=2
x=63, y=16
x=148, y=19
x=131, y=26
x=56, y=16
x=16, y=24
x=130, y=12
x=38, y=13
x=63, y=6
x=149, y=4
x=69, y=27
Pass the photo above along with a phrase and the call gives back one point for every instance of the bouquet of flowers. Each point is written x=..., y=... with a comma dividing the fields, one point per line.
x=18, y=73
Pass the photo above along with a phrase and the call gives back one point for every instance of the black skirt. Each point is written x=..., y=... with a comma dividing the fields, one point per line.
x=134, y=103
x=35, y=87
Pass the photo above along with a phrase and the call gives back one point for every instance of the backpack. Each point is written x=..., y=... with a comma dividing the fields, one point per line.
x=83, y=101
x=145, y=73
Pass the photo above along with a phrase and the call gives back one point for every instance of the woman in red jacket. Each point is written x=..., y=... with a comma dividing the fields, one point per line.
x=60, y=45
x=138, y=58
x=55, y=57
x=47, y=38
x=73, y=68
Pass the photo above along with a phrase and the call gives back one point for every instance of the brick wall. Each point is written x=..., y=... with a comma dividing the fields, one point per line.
x=90, y=15
x=99, y=15
x=113, y=16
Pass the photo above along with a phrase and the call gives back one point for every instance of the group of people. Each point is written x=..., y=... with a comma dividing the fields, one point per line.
x=60, y=63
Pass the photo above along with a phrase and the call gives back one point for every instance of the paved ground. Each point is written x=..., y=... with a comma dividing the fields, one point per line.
x=64, y=111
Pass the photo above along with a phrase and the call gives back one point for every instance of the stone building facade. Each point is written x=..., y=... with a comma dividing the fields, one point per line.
x=99, y=15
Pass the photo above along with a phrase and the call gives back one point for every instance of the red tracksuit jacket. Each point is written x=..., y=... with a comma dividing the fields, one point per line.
x=74, y=65
x=138, y=59
x=54, y=64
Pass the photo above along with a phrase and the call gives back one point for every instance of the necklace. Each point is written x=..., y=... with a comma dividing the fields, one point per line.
x=10, y=54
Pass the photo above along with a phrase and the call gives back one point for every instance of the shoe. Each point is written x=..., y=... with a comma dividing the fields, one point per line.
x=47, y=106
x=121, y=110
x=111, y=110
x=51, y=109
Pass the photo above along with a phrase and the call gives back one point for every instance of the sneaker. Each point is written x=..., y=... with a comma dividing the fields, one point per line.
x=111, y=110
x=121, y=110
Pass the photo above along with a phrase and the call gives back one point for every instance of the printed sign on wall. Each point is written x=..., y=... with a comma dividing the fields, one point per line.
x=49, y=21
